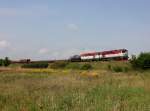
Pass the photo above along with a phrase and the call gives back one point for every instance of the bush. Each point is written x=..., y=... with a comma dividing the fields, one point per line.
x=142, y=61
x=5, y=62
x=109, y=67
x=59, y=65
x=86, y=67
x=125, y=69
x=70, y=65
x=36, y=65
x=1, y=62
x=73, y=66
x=117, y=69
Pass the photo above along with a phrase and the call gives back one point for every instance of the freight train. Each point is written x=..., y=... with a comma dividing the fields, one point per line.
x=117, y=55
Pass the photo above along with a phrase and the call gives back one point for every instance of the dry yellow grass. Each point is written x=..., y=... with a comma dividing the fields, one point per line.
x=98, y=89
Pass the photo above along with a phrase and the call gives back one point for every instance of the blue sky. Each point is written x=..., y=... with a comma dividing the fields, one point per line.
x=56, y=29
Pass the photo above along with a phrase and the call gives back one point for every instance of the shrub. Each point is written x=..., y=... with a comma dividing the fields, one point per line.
x=73, y=66
x=1, y=62
x=109, y=67
x=86, y=67
x=117, y=69
x=5, y=62
x=59, y=65
x=36, y=65
x=125, y=69
x=142, y=61
x=70, y=65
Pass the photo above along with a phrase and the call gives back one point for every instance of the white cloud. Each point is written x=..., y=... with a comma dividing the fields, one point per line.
x=3, y=36
x=43, y=51
x=4, y=44
x=64, y=53
x=25, y=11
x=72, y=27
x=8, y=12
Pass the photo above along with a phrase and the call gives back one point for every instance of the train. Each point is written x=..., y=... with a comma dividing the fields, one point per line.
x=117, y=55
x=26, y=61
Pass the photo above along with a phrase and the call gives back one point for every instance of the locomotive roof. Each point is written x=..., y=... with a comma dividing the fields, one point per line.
x=103, y=52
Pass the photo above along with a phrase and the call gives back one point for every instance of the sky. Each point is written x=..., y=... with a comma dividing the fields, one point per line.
x=57, y=29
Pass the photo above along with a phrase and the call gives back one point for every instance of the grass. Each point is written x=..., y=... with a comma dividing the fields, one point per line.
x=98, y=89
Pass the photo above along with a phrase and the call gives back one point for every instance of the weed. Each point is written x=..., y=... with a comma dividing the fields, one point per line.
x=86, y=67
x=117, y=69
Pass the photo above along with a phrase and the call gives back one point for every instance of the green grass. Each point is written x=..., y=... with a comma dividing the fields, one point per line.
x=75, y=90
x=30, y=92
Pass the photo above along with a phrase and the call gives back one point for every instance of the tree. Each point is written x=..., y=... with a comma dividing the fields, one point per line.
x=142, y=61
x=6, y=61
x=1, y=62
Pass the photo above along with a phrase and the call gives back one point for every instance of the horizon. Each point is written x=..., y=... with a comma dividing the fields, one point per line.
x=49, y=30
x=18, y=59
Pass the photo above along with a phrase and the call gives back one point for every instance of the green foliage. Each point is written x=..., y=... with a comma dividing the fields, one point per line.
x=86, y=67
x=59, y=65
x=70, y=65
x=125, y=69
x=73, y=66
x=118, y=68
x=36, y=65
x=109, y=67
x=1, y=62
x=5, y=62
x=142, y=61
x=54, y=92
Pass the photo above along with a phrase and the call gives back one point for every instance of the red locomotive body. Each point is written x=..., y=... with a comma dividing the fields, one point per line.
x=120, y=54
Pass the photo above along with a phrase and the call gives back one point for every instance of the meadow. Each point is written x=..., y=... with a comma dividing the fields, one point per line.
x=108, y=86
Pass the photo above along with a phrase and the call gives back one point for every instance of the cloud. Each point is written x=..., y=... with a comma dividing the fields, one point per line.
x=24, y=11
x=64, y=53
x=3, y=36
x=8, y=12
x=72, y=27
x=4, y=44
x=43, y=51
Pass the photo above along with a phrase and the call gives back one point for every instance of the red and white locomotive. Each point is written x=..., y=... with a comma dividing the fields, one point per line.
x=120, y=54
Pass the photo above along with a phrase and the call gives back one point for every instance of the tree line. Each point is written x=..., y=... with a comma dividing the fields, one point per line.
x=142, y=61
x=5, y=62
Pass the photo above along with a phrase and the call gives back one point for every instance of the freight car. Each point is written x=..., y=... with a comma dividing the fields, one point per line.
x=118, y=55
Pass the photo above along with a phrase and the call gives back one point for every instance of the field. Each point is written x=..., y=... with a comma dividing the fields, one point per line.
x=97, y=89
